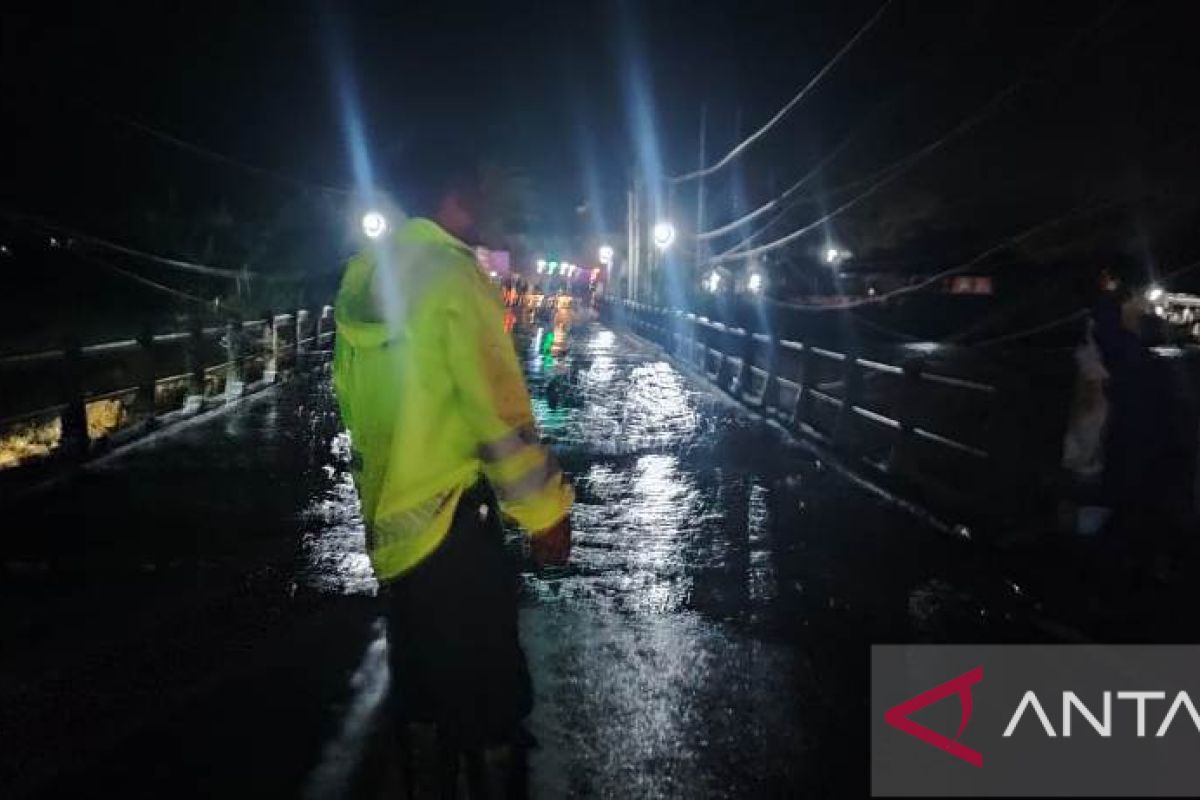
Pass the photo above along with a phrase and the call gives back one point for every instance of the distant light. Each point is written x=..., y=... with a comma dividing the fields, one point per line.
x=664, y=235
x=755, y=282
x=492, y=274
x=595, y=273
x=53, y=241
x=374, y=224
x=541, y=265
x=606, y=254
x=552, y=267
x=4, y=251
x=1154, y=294
x=713, y=282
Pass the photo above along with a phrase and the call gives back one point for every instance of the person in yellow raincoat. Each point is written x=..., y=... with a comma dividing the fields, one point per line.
x=443, y=442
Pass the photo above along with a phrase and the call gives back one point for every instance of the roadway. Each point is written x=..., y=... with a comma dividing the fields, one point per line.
x=194, y=616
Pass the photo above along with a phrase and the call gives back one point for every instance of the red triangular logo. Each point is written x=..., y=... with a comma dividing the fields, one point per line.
x=897, y=716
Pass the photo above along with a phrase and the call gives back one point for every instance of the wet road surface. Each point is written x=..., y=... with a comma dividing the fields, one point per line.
x=195, y=616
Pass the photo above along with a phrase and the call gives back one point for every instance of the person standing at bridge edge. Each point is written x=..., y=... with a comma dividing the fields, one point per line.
x=443, y=442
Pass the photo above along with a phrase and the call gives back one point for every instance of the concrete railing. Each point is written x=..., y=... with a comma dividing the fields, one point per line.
x=149, y=381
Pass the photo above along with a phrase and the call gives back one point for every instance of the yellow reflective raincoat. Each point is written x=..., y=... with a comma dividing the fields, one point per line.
x=433, y=396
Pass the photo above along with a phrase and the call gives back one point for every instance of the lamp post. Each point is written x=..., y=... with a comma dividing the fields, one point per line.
x=664, y=234
x=374, y=224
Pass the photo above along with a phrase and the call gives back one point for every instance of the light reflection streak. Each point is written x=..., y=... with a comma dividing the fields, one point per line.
x=342, y=755
x=333, y=549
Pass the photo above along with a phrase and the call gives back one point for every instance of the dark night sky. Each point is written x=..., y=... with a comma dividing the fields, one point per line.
x=545, y=87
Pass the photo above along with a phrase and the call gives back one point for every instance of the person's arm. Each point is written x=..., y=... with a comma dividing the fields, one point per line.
x=488, y=378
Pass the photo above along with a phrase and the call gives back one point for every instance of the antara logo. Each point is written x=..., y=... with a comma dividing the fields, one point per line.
x=898, y=716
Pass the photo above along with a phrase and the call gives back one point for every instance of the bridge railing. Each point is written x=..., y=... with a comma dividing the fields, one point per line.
x=976, y=435
x=68, y=402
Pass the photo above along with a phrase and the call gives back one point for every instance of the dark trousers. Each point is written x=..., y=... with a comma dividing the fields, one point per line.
x=454, y=651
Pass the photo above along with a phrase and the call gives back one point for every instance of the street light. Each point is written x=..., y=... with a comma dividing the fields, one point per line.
x=834, y=255
x=664, y=235
x=606, y=255
x=713, y=282
x=374, y=224
x=1154, y=294
x=755, y=282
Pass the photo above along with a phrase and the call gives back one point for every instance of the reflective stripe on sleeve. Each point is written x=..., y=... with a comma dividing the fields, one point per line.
x=531, y=482
x=508, y=445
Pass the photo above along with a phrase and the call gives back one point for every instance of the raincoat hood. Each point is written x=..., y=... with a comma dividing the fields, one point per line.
x=383, y=284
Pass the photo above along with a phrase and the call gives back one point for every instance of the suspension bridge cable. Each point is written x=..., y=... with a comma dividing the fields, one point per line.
x=820, y=166
x=213, y=155
x=774, y=203
x=185, y=145
x=1079, y=313
x=905, y=164
x=188, y=146
x=174, y=263
x=748, y=240
x=141, y=279
x=787, y=107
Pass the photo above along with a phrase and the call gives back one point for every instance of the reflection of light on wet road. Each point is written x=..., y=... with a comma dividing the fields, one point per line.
x=602, y=341
x=761, y=574
x=631, y=530
x=621, y=400
x=333, y=554
x=341, y=755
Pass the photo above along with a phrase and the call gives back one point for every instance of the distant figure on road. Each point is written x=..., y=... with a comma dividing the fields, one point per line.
x=443, y=442
x=1142, y=479
x=1133, y=425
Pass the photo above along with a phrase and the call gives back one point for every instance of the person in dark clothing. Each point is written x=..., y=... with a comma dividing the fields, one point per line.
x=461, y=647
x=1136, y=435
x=1139, y=480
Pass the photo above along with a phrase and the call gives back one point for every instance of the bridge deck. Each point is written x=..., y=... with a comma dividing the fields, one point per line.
x=195, y=615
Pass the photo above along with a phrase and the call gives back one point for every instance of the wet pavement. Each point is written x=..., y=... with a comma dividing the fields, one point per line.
x=195, y=616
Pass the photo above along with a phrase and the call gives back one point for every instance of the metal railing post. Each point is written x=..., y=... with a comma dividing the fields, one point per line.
x=197, y=380
x=235, y=386
x=742, y=378
x=145, y=402
x=844, y=428
x=901, y=460
x=770, y=395
x=301, y=316
x=802, y=413
x=74, y=439
x=270, y=348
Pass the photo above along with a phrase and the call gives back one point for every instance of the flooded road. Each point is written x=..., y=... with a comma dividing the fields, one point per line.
x=196, y=615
